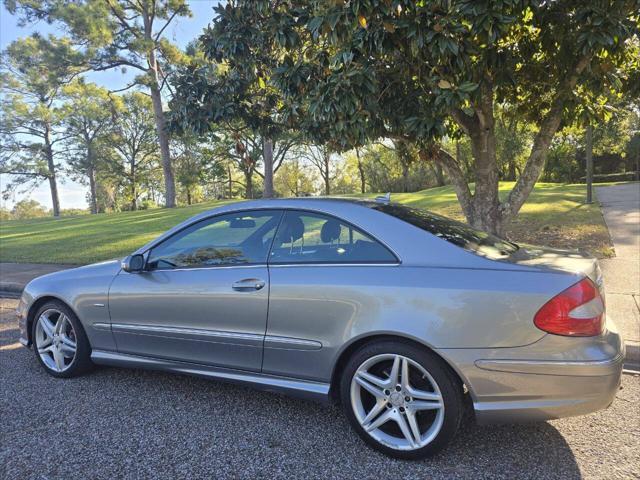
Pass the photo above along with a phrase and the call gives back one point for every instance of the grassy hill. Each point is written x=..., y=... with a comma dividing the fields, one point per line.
x=554, y=215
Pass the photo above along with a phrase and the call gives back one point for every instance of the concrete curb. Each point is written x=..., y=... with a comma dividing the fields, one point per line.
x=632, y=357
x=11, y=289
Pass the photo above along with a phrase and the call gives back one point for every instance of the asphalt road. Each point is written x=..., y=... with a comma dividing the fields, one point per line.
x=139, y=424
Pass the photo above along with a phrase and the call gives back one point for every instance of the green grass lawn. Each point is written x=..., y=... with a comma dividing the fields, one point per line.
x=554, y=215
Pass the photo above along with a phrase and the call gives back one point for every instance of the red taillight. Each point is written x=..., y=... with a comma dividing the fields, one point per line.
x=577, y=311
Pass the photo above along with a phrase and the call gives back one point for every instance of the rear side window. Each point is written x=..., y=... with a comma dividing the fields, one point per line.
x=458, y=233
x=304, y=237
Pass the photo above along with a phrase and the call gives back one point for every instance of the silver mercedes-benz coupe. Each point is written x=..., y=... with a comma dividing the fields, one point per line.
x=404, y=317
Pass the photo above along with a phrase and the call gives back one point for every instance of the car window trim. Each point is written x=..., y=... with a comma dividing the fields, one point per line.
x=147, y=253
x=397, y=260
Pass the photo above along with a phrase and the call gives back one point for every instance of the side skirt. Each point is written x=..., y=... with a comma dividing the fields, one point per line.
x=306, y=389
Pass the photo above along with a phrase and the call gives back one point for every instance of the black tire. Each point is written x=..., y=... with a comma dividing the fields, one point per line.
x=448, y=383
x=81, y=363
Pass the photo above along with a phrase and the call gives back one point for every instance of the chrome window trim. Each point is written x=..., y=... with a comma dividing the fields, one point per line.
x=333, y=264
x=212, y=267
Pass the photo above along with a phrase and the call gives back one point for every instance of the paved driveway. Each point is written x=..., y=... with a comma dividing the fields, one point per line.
x=621, y=210
x=140, y=424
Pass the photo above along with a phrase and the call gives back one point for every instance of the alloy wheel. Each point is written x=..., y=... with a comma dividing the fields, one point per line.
x=55, y=340
x=397, y=402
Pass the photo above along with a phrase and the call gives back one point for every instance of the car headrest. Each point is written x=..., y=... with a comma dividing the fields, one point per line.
x=292, y=230
x=330, y=231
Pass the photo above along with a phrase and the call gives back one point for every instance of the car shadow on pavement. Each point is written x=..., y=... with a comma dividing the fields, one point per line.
x=151, y=424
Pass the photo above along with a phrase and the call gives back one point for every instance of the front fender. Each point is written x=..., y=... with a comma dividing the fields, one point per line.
x=85, y=290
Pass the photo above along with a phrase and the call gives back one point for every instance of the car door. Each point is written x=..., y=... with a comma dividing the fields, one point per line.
x=324, y=274
x=203, y=295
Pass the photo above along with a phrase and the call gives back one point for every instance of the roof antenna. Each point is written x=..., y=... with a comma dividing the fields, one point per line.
x=386, y=199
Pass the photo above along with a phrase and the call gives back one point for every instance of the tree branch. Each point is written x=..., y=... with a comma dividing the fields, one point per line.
x=467, y=123
x=157, y=37
x=122, y=20
x=548, y=128
x=456, y=175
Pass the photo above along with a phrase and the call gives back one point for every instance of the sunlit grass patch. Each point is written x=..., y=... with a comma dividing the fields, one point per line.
x=555, y=215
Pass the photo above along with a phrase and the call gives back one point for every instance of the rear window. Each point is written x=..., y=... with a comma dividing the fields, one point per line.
x=458, y=233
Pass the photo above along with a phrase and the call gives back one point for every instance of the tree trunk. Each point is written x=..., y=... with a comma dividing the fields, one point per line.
x=248, y=178
x=267, y=154
x=437, y=171
x=163, y=140
x=363, y=184
x=486, y=202
x=51, y=167
x=134, y=198
x=188, y=196
x=405, y=177
x=134, y=190
x=91, y=173
x=92, y=190
x=589, y=154
x=457, y=176
x=230, y=181
x=325, y=172
x=511, y=170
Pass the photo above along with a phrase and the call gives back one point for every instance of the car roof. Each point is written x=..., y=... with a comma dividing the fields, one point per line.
x=293, y=202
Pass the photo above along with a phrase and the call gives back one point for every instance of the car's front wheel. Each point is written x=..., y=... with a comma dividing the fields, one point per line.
x=59, y=341
x=401, y=399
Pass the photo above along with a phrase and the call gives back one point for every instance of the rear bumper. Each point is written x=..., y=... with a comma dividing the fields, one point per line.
x=552, y=378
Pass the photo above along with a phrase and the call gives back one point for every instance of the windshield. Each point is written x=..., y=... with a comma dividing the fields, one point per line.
x=458, y=233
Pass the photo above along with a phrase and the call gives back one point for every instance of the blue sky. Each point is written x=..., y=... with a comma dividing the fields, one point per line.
x=181, y=32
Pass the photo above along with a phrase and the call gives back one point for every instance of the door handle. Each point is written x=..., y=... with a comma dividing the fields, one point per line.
x=248, y=284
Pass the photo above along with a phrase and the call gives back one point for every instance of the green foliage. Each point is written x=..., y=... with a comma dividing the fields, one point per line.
x=294, y=179
x=347, y=73
x=26, y=208
x=135, y=156
x=197, y=169
x=32, y=73
x=120, y=34
x=5, y=214
x=387, y=171
x=88, y=116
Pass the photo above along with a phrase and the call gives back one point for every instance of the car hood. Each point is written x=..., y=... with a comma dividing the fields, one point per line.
x=106, y=268
x=570, y=261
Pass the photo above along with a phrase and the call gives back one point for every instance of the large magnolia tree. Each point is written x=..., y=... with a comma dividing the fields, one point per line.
x=352, y=71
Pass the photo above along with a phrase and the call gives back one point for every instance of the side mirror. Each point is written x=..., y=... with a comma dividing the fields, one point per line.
x=133, y=263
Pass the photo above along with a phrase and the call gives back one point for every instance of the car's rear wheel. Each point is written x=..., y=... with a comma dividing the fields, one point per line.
x=59, y=341
x=401, y=399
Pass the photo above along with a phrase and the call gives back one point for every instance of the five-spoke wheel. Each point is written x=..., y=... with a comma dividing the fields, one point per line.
x=59, y=341
x=55, y=340
x=401, y=398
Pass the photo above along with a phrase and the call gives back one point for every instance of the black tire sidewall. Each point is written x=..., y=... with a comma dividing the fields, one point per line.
x=82, y=361
x=449, y=385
